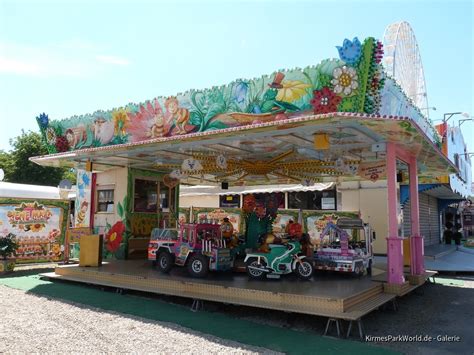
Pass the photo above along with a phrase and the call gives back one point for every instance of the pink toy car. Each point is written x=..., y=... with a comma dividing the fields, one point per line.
x=349, y=247
x=199, y=247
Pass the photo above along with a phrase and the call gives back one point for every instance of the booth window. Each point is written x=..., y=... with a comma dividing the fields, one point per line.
x=145, y=196
x=232, y=201
x=167, y=205
x=312, y=200
x=105, y=200
x=263, y=198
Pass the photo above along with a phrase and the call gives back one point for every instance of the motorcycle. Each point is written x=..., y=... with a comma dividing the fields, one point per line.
x=279, y=260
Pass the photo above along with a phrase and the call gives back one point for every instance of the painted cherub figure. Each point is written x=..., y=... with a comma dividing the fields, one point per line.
x=157, y=129
x=179, y=114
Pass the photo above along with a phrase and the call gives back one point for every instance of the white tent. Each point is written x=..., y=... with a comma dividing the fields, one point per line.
x=201, y=190
x=12, y=190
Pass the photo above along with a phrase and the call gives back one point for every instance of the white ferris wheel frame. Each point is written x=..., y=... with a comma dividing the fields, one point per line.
x=402, y=61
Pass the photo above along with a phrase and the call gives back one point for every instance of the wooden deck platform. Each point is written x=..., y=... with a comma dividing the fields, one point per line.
x=412, y=282
x=334, y=296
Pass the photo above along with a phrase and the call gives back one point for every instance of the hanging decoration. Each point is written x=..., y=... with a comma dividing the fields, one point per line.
x=170, y=181
x=321, y=141
x=340, y=164
x=282, y=166
x=352, y=169
x=221, y=162
x=178, y=174
x=191, y=164
x=307, y=182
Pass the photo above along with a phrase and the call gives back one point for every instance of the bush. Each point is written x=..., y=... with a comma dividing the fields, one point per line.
x=8, y=246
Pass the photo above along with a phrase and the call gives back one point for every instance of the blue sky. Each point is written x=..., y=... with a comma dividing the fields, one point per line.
x=75, y=57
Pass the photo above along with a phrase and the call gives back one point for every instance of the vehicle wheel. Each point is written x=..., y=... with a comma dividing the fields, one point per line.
x=198, y=265
x=369, y=268
x=164, y=262
x=359, y=269
x=255, y=274
x=304, y=269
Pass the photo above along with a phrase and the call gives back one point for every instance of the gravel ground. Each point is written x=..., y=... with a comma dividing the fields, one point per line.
x=432, y=310
x=36, y=324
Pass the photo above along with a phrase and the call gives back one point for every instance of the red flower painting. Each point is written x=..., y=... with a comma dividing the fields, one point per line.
x=114, y=237
x=325, y=101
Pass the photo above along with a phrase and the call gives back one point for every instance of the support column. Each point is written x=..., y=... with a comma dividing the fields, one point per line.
x=394, y=242
x=416, y=240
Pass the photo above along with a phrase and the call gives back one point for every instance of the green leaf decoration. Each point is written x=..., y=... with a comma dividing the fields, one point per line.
x=324, y=80
x=216, y=125
x=327, y=67
x=364, y=67
x=195, y=118
x=287, y=106
x=120, y=210
x=348, y=104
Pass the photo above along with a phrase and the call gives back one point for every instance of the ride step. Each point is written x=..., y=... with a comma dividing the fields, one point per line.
x=273, y=276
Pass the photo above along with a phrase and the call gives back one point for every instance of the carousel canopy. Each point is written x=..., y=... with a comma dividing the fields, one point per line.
x=318, y=124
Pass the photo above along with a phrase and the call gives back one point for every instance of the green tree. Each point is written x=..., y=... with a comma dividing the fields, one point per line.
x=19, y=169
x=6, y=164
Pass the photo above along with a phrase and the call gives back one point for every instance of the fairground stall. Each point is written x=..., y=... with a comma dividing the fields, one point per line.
x=37, y=216
x=344, y=119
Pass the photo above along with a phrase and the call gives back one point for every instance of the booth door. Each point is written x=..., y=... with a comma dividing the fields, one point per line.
x=429, y=219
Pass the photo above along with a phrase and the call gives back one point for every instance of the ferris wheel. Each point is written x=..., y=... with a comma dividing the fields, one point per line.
x=402, y=61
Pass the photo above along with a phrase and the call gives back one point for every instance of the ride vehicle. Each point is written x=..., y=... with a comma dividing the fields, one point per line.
x=278, y=259
x=345, y=247
x=198, y=247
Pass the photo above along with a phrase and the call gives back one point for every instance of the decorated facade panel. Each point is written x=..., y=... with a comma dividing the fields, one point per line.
x=355, y=82
x=39, y=227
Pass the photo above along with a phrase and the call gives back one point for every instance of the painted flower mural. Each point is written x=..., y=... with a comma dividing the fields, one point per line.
x=121, y=122
x=61, y=144
x=292, y=90
x=325, y=101
x=345, y=80
x=240, y=90
x=43, y=120
x=51, y=136
x=148, y=122
x=350, y=51
x=114, y=236
x=352, y=83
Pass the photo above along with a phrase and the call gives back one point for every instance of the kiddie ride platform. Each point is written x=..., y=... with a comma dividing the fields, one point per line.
x=332, y=296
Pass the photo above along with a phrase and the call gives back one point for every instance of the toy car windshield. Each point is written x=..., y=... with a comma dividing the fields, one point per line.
x=164, y=234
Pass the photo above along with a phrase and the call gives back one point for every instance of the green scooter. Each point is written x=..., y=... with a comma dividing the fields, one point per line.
x=280, y=260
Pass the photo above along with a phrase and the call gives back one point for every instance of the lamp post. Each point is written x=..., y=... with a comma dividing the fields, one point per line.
x=447, y=116
x=461, y=121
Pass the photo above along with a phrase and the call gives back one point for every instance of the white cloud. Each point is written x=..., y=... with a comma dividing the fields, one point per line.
x=73, y=58
x=110, y=59
x=8, y=65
